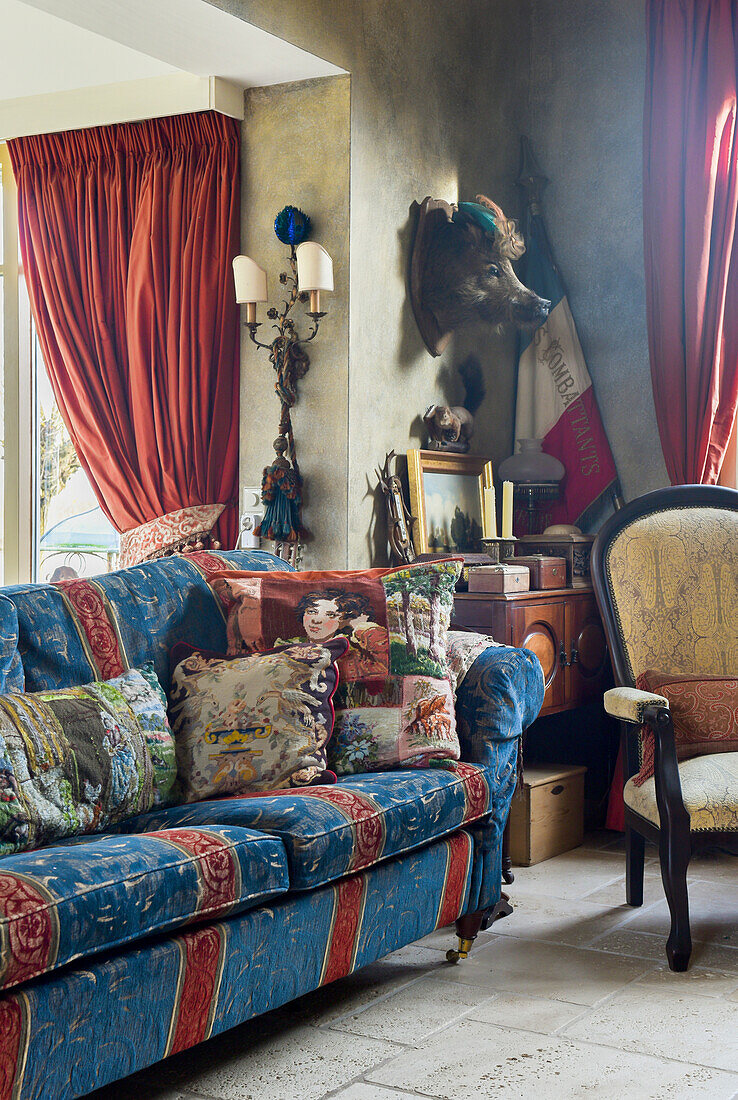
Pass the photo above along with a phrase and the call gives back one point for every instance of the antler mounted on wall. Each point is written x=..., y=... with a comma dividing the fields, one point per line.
x=461, y=270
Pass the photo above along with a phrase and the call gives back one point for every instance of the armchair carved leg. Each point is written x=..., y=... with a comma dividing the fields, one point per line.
x=675, y=842
x=674, y=857
x=635, y=848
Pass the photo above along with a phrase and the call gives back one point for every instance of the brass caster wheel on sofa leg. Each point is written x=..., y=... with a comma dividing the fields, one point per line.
x=465, y=946
x=467, y=929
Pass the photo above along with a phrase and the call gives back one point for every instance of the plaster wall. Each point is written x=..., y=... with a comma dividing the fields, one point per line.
x=296, y=150
x=587, y=71
x=438, y=95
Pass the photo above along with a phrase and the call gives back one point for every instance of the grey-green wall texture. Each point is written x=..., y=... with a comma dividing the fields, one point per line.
x=439, y=95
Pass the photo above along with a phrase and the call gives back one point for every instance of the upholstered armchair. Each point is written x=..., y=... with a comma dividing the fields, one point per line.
x=665, y=573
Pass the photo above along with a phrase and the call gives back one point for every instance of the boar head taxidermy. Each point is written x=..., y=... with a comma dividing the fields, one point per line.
x=461, y=271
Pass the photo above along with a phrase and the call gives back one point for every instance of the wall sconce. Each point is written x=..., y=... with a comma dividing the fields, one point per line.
x=311, y=271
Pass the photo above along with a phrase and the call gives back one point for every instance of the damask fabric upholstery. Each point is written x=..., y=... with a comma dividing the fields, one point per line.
x=81, y=630
x=709, y=791
x=11, y=668
x=673, y=577
x=135, y=1006
x=331, y=831
x=60, y=904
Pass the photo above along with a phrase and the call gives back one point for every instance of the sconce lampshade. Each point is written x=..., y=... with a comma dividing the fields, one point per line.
x=314, y=267
x=250, y=280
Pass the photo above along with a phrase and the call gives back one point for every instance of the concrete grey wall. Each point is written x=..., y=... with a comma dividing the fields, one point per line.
x=438, y=95
x=587, y=70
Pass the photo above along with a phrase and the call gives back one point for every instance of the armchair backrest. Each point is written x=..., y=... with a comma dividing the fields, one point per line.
x=665, y=573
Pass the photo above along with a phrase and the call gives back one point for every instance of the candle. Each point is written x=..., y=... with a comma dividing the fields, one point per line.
x=507, y=509
x=490, y=514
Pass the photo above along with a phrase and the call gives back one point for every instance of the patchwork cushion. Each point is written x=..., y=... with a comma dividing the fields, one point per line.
x=394, y=705
x=331, y=831
x=704, y=711
x=709, y=790
x=59, y=904
x=77, y=759
x=254, y=723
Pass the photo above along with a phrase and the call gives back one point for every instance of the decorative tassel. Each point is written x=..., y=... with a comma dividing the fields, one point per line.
x=281, y=494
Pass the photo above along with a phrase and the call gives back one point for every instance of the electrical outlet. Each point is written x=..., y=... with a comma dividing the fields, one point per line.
x=252, y=513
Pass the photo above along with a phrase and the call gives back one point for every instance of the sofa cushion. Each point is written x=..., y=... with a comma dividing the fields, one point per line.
x=704, y=710
x=67, y=902
x=77, y=759
x=254, y=723
x=330, y=831
x=394, y=704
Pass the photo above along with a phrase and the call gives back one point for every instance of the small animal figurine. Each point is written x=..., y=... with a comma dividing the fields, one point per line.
x=461, y=271
x=451, y=427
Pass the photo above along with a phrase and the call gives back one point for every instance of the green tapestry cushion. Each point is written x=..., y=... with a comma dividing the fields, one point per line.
x=395, y=704
x=76, y=760
x=254, y=723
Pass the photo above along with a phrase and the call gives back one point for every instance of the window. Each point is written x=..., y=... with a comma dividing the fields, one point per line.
x=52, y=524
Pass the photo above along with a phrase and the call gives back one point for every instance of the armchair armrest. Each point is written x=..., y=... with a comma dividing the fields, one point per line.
x=629, y=704
x=497, y=699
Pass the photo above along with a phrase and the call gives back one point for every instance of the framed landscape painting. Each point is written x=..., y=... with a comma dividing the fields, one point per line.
x=447, y=499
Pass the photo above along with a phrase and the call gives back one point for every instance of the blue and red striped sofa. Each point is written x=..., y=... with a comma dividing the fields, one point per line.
x=119, y=949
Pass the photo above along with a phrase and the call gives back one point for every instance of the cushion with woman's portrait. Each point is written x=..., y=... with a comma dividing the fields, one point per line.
x=394, y=704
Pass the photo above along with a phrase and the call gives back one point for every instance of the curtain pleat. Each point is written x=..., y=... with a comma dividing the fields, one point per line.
x=127, y=234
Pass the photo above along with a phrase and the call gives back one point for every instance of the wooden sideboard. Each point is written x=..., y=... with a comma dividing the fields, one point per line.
x=562, y=626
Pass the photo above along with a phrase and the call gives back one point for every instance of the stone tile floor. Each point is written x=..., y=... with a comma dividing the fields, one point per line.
x=568, y=997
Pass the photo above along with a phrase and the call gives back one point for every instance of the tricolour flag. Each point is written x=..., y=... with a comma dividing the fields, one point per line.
x=555, y=399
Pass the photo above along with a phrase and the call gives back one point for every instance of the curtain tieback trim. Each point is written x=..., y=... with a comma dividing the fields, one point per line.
x=177, y=532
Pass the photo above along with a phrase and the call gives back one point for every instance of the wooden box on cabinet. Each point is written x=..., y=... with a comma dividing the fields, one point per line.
x=547, y=815
x=563, y=629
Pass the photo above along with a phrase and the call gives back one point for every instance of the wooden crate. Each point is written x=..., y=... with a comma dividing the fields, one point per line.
x=547, y=817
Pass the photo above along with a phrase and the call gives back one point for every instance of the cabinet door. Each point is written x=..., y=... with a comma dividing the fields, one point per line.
x=587, y=652
x=540, y=627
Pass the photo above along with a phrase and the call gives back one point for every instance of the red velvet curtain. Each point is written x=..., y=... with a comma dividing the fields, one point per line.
x=127, y=235
x=690, y=194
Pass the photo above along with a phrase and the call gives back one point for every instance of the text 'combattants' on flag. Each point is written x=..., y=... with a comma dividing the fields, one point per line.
x=555, y=399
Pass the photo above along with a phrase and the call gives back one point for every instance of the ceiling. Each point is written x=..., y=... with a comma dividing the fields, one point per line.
x=57, y=45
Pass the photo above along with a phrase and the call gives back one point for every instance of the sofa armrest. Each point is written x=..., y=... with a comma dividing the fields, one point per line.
x=629, y=704
x=498, y=698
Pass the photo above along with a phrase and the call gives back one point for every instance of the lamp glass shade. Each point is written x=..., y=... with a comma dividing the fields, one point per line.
x=314, y=267
x=531, y=465
x=250, y=280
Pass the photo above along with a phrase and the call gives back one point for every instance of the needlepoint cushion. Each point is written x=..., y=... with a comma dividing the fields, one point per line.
x=704, y=711
x=77, y=759
x=254, y=723
x=394, y=705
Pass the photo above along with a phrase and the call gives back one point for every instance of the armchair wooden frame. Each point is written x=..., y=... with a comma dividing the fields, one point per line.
x=674, y=837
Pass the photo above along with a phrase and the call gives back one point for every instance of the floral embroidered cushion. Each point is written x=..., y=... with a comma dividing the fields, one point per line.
x=704, y=710
x=254, y=723
x=394, y=705
x=76, y=760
